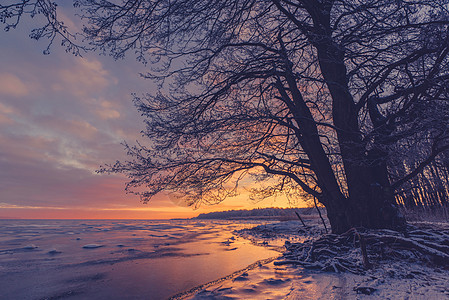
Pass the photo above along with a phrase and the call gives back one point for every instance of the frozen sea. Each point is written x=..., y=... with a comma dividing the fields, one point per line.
x=119, y=259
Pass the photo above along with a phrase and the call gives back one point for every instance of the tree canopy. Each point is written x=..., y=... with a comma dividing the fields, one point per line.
x=322, y=97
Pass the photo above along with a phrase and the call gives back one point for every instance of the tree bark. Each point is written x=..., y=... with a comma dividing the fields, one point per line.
x=370, y=203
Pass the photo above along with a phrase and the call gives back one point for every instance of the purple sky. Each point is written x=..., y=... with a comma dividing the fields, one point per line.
x=61, y=117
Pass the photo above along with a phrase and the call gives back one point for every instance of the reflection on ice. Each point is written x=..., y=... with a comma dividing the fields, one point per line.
x=273, y=282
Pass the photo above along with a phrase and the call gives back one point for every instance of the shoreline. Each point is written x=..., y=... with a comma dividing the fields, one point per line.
x=394, y=279
x=197, y=289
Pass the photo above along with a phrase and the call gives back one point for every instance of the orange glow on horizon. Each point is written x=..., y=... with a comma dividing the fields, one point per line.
x=143, y=211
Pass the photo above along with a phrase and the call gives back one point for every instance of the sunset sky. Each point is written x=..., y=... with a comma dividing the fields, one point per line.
x=61, y=117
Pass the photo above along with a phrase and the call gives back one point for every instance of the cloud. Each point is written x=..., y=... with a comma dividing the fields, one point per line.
x=33, y=175
x=5, y=119
x=79, y=129
x=84, y=77
x=11, y=85
x=5, y=112
x=107, y=110
x=6, y=109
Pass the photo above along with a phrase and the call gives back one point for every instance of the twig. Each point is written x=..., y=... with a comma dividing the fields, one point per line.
x=299, y=217
x=319, y=213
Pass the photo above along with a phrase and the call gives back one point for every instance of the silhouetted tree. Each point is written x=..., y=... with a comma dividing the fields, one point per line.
x=324, y=96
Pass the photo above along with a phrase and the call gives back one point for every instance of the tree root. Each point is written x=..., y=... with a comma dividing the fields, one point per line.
x=359, y=249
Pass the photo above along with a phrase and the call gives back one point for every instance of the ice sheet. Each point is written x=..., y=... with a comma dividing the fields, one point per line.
x=118, y=259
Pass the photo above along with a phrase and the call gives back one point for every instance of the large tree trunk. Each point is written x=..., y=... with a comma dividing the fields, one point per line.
x=370, y=203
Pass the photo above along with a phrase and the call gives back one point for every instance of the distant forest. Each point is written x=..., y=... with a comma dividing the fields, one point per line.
x=260, y=213
x=428, y=189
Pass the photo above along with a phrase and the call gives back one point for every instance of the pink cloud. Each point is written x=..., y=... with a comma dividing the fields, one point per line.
x=108, y=110
x=82, y=78
x=11, y=85
x=80, y=129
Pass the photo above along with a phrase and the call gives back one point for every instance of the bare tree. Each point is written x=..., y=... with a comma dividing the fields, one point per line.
x=321, y=96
